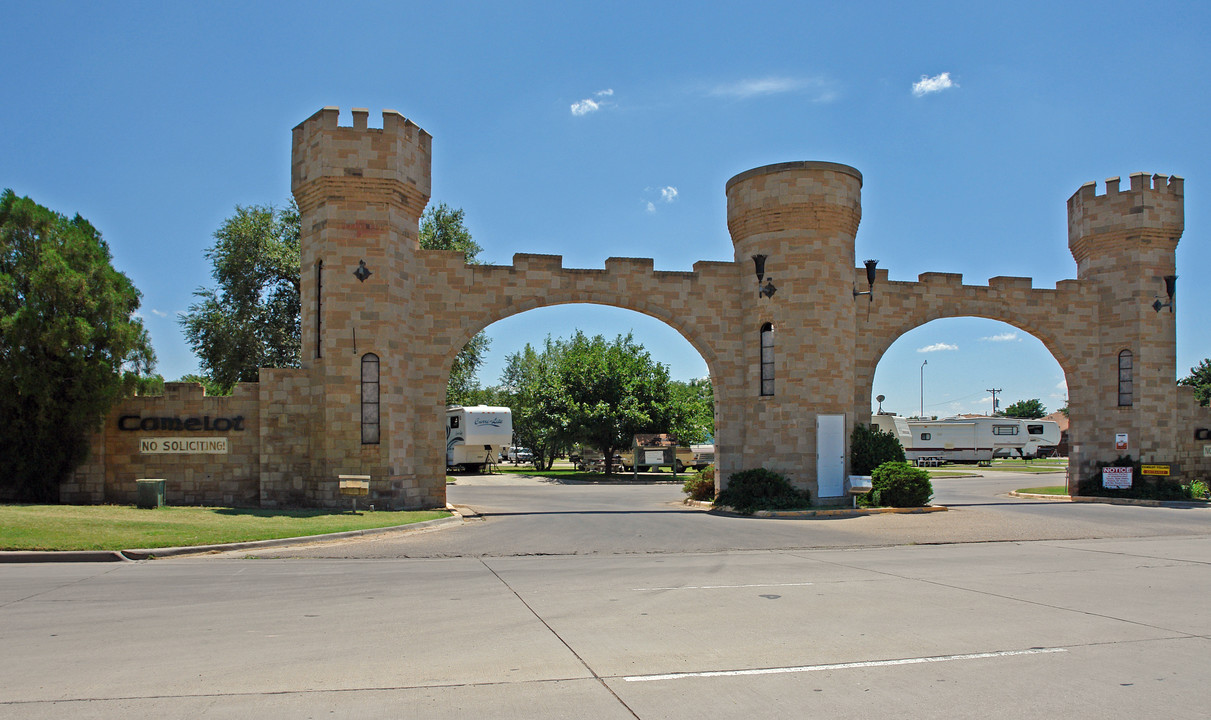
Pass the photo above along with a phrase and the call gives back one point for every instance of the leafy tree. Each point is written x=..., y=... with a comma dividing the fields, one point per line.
x=1200, y=380
x=530, y=387
x=149, y=385
x=250, y=319
x=70, y=344
x=212, y=390
x=1026, y=409
x=609, y=391
x=692, y=410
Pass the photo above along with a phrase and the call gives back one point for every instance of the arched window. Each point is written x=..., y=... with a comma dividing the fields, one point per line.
x=1125, y=369
x=370, y=415
x=767, y=359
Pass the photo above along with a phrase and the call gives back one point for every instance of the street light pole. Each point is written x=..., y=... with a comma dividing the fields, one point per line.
x=923, y=364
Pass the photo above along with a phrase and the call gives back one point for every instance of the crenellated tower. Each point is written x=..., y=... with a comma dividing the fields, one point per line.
x=1124, y=244
x=803, y=218
x=361, y=192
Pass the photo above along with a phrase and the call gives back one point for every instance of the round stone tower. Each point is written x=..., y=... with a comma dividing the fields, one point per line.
x=793, y=224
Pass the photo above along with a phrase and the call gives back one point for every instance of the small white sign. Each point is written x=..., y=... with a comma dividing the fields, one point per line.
x=183, y=446
x=653, y=457
x=1116, y=478
x=1120, y=441
x=1206, y=450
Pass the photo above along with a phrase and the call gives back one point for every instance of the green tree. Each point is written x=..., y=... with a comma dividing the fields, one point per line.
x=1026, y=409
x=870, y=447
x=609, y=391
x=444, y=228
x=70, y=344
x=531, y=388
x=1200, y=380
x=692, y=410
x=250, y=319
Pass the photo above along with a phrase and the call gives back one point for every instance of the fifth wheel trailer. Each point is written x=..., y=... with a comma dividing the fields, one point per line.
x=975, y=439
x=476, y=435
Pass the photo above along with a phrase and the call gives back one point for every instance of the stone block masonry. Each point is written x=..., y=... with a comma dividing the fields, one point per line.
x=377, y=348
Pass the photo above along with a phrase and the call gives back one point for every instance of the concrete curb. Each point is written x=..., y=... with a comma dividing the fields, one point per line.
x=1179, y=504
x=830, y=512
x=41, y=556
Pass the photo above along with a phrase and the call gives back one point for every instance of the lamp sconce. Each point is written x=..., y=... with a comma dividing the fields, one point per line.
x=362, y=272
x=870, y=280
x=1170, y=289
x=768, y=289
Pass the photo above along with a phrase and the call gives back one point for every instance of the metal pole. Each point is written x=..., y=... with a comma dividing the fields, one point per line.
x=923, y=364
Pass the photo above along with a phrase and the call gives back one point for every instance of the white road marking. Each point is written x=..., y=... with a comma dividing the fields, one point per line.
x=721, y=587
x=845, y=666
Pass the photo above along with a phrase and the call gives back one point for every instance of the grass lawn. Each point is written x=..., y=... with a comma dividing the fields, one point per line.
x=124, y=527
x=572, y=474
x=1051, y=490
x=1034, y=466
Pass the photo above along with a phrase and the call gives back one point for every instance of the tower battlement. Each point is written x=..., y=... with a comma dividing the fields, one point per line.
x=323, y=152
x=1152, y=204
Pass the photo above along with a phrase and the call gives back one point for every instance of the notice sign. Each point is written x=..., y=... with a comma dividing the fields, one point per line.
x=1120, y=441
x=1206, y=450
x=653, y=457
x=183, y=446
x=1116, y=478
x=1154, y=470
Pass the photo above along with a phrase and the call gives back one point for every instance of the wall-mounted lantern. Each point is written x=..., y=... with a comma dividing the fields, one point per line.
x=1170, y=289
x=870, y=280
x=768, y=289
x=362, y=272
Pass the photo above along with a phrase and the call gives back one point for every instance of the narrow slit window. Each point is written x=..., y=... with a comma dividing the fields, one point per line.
x=767, y=359
x=370, y=410
x=319, y=306
x=1125, y=370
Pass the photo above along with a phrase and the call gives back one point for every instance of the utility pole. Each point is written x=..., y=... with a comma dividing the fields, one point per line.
x=994, y=392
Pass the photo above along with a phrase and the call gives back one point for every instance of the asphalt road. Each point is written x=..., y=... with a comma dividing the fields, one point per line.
x=615, y=602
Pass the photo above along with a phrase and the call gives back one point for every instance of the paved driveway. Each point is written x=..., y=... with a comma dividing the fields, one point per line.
x=642, y=610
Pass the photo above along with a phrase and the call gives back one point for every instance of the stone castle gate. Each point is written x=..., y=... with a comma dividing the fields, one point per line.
x=383, y=321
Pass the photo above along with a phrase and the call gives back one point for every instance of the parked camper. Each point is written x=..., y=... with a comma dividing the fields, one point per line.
x=971, y=439
x=475, y=436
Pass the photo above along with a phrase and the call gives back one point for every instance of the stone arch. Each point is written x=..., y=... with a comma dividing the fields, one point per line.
x=469, y=330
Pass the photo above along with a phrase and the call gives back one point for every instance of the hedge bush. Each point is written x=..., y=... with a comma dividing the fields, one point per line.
x=701, y=485
x=870, y=447
x=898, y=484
x=759, y=489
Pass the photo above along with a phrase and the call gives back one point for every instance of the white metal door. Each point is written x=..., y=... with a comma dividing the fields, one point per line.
x=830, y=455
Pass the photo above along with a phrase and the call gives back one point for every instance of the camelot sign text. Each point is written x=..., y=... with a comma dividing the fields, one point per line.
x=192, y=424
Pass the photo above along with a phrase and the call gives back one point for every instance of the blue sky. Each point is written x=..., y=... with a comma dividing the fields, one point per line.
x=593, y=131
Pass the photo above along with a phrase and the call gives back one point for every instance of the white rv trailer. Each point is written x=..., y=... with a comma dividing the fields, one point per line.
x=476, y=435
x=975, y=439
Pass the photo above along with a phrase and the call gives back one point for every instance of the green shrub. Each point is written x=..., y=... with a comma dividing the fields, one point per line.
x=898, y=484
x=870, y=447
x=1199, y=490
x=760, y=489
x=701, y=485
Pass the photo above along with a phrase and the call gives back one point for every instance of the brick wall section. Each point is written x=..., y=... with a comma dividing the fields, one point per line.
x=230, y=480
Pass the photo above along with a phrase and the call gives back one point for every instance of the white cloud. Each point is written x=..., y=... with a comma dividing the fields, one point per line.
x=936, y=347
x=651, y=206
x=584, y=107
x=158, y=313
x=668, y=194
x=937, y=83
x=1002, y=337
x=589, y=105
x=757, y=87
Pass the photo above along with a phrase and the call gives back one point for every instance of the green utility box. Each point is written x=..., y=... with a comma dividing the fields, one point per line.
x=151, y=494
